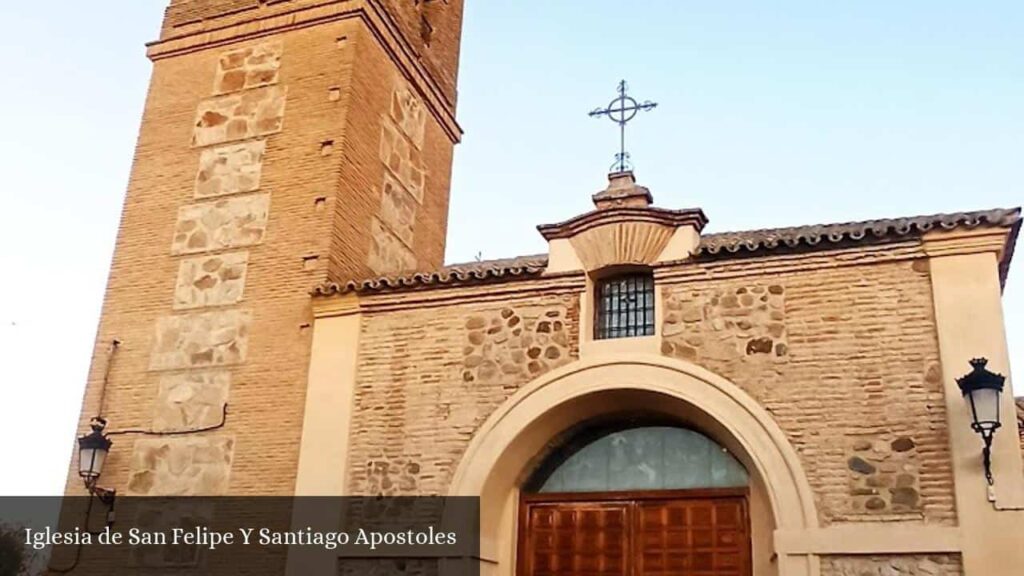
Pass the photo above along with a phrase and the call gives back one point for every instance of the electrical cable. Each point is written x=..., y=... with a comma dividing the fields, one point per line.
x=223, y=421
x=114, y=345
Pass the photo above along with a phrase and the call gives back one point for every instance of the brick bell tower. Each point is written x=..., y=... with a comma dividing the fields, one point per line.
x=284, y=143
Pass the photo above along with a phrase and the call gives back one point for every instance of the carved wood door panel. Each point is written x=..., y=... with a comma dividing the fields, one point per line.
x=637, y=534
x=691, y=537
x=576, y=539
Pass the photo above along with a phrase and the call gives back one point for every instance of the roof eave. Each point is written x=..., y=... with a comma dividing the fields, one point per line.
x=1011, y=241
x=751, y=243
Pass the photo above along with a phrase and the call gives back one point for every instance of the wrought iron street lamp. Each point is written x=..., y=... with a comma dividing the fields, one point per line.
x=92, y=453
x=982, y=389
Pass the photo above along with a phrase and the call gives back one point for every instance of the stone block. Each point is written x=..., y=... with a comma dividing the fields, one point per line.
x=226, y=223
x=388, y=256
x=398, y=210
x=397, y=476
x=905, y=496
x=230, y=169
x=165, y=515
x=402, y=159
x=515, y=343
x=409, y=114
x=191, y=401
x=181, y=466
x=886, y=468
x=199, y=340
x=892, y=565
x=210, y=280
x=239, y=116
x=903, y=444
x=859, y=465
x=726, y=325
x=249, y=67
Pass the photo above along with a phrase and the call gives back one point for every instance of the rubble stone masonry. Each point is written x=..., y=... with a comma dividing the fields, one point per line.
x=857, y=392
x=432, y=375
x=257, y=175
x=846, y=360
x=892, y=565
x=249, y=105
x=269, y=164
x=395, y=179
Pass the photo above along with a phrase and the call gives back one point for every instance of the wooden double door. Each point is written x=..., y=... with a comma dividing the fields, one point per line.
x=678, y=533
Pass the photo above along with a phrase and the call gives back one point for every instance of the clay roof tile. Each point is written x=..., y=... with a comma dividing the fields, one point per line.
x=713, y=246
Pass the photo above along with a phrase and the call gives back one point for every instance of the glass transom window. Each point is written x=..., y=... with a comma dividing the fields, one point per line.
x=642, y=458
x=625, y=306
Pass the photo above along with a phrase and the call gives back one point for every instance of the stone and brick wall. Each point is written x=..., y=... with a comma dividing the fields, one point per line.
x=395, y=179
x=182, y=12
x=432, y=30
x=892, y=565
x=1020, y=420
x=269, y=165
x=201, y=343
x=846, y=359
x=252, y=183
x=429, y=377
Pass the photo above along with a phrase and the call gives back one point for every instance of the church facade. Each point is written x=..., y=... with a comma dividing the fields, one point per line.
x=646, y=397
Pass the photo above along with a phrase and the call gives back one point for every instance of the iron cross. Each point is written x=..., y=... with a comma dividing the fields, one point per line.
x=621, y=110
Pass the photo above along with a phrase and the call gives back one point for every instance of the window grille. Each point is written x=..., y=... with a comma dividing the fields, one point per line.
x=625, y=306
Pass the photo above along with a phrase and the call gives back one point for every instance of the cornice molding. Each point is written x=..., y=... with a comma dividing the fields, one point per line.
x=767, y=265
x=441, y=295
x=602, y=217
x=196, y=37
x=339, y=305
x=409, y=63
x=970, y=241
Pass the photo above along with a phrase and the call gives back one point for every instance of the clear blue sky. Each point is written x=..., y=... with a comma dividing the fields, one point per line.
x=772, y=113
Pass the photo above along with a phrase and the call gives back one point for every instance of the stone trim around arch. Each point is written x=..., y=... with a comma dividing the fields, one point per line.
x=502, y=449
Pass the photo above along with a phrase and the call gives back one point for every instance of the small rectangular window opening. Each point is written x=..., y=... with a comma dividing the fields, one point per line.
x=625, y=306
x=426, y=30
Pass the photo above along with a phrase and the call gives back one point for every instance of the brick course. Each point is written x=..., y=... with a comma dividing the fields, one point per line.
x=860, y=363
x=321, y=72
x=415, y=408
x=846, y=360
x=858, y=375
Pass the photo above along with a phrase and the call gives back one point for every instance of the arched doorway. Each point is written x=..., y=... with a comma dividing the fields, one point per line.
x=504, y=450
x=619, y=499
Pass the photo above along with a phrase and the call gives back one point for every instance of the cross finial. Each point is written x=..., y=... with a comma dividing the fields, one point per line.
x=621, y=110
